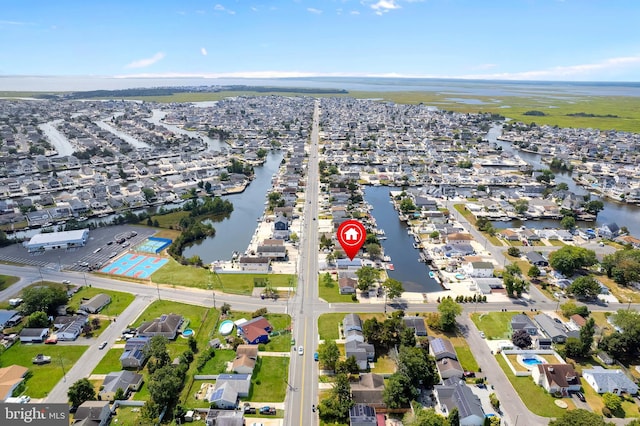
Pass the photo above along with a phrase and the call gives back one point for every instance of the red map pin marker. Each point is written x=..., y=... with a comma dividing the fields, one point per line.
x=351, y=236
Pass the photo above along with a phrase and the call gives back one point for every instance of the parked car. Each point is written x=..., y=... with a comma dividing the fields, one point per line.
x=271, y=411
x=581, y=397
x=469, y=374
x=316, y=357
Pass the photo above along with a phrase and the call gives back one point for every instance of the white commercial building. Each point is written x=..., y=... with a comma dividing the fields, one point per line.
x=57, y=240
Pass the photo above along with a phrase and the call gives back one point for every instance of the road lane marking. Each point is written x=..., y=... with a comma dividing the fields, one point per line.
x=302, y=402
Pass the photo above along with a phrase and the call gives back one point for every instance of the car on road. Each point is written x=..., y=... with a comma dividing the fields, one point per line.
x=66, y=282
x=580, y=396
x=316, y=356
x=557, y=320
x=300, y=350
x=481, y=386
x=97, y=250
x=102, y=345
x=482, y=334
x=84, y=264
x=113, y=254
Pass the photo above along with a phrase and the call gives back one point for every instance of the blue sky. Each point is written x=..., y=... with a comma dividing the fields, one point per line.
x=574, y=40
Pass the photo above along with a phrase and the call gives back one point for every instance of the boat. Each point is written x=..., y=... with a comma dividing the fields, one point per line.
x=432, y=274
x=390, y=266
x=382, y=238
x=386, y=258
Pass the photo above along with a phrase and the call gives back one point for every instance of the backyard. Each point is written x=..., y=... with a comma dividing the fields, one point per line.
x=463, y=351
x=109, y=363
x=495, y=325
x=328, y=324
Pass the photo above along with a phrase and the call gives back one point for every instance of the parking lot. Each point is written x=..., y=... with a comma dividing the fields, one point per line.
x=100, y=248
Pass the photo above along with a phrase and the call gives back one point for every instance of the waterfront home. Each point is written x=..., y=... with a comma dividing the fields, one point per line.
x=281, y=228
x=167, y=325
x=459, y=238
x=349, y=264
x=556, y=378
x=128, y=381
x=609, y=230
x=257, y=264
x=455, y=393
x=478, y=269
x=368, y=390
x=523, y=322
x=272, y=251
x=614, y=381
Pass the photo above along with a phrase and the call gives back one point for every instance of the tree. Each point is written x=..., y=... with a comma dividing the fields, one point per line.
x=335, y=408
x=418, y=366
x=434, y=235
x=261, y=153
x=399, y=392
x=584, y=287
x=573, y=348
x=408, y=337
x=46, y=299
x=612, y=401
x=406, y=205
x=454, y=417
x=521, y=206
x=149, y=194
x=374, y=250
x=513, y=269
x=392, y=288
x=533, y=272
x=328, y=354
x=225, y=309
x=513, y=251
x=569, y=259
x=165, y=385
x=424, y=417
x=545, y=176
x=495, y=402
x=37, y=319
x=587, y=332
x=521, y=339
x=571, y=308
x=157, y=349
x=449, y=310
x=568, y=222
x=348, y=366
x=593, y=207
x=81, y=391
x=623, y=266
x=367, y=275
x=578, y=417
x=119, y=396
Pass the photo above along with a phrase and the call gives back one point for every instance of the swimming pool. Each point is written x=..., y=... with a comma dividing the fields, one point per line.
x=531, y=361
x=460, y=276
x=188, y=332
x=226, y=327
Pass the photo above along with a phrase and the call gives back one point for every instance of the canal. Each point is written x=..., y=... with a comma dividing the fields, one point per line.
x=623, y=214
x=235, y=232
x=399, y=244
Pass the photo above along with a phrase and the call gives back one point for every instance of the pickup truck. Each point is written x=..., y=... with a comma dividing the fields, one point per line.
x=268, y=411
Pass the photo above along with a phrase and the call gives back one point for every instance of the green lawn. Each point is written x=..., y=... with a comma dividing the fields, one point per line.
x=532, y=395
x=384, y=364
x=45, y=376
x=109, y=363
x=496, y=325
x=331, y=293
x=190, y=312
x=129, y=416
x=189, y=400
x=218, y=364
x=279, y=322
x=270, y=379
x=119, y=300
x=465, y=356
x=142, y=394
x=7, y=281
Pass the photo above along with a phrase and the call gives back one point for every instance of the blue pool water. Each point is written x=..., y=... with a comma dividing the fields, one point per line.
x=188, y=332
x=531, y=361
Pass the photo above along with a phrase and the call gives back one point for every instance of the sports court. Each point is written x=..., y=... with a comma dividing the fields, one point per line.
x=135, y=265
x=153, y=245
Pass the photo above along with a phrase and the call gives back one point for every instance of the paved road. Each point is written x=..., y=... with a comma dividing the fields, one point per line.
x=303, y=377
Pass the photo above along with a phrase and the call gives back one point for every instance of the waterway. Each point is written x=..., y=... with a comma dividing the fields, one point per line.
x=57, y=139
x=212, y=144
x=413, y=275
x=623, y=214
x=122, y=135
x=235, y=232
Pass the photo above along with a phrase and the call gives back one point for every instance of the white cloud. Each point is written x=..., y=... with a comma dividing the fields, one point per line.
x=220, y=8
x=254, y=9
x=203, y=51
x=142, y=63
x=313, y=10
x=567, y=72
x=354, y=12
x=383, y=6
x=3, y=22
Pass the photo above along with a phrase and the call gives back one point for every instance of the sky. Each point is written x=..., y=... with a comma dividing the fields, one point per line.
x=562, y=40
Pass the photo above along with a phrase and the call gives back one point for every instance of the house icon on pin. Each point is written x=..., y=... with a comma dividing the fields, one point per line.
x=351, y=234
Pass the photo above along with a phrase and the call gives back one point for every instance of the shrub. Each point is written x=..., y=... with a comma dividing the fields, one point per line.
x=606, y=412
x=479, y=380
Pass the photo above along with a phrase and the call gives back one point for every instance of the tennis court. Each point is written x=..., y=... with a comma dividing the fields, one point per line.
x=135, y=265
x=153, y=245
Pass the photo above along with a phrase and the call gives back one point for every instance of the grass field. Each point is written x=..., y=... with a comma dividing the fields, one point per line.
x=44, y=376
x=119, y=300
x=532, y=395
x=109, y=363
x=331, y=293
x=328, y=324
x=496, y=325
x=218, y=364
x=270, y=379
x=7, y=281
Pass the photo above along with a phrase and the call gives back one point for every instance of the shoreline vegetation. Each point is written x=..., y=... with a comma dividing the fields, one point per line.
x=571, y=110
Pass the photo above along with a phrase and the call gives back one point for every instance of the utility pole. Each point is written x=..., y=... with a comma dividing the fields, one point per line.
x=64, y=374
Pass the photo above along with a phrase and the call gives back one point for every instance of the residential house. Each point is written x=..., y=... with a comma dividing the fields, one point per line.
x=536, y=259
x=446, y=358
x=415, y=323
x=523, y=322
x=349, y=264
x=10, y=378
x=509, y=235
x=217, y=417
x=134, y=355
x=272, y=252
x=95, y=304
x=478, y=269
x=454, y=393
x=362, y=415
x=352, y=328
x=347, y=285
x=245, y=360
x=33, y=335
x=92, y=413
x=9, y=318
x=281, y=228
x=609, y=230
x=368, y=390
x=128, y=381
x=230, y=387
x=577, y=321
x=487, y=285
x=448, y=368
x=556, y=378
x=614, y=381
x=69, y=327
x=257, y=264
x=550, y=328
x=459, y=238
x=167, y=325
x=362, y=352
x=256, y=330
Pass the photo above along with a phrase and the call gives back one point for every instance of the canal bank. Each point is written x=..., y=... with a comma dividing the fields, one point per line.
x=623, y=214
x=398, y=244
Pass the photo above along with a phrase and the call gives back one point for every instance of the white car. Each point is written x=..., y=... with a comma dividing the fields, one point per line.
x=66, y=282
x=482, y=334
x=102, y=345
x=300, y=350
